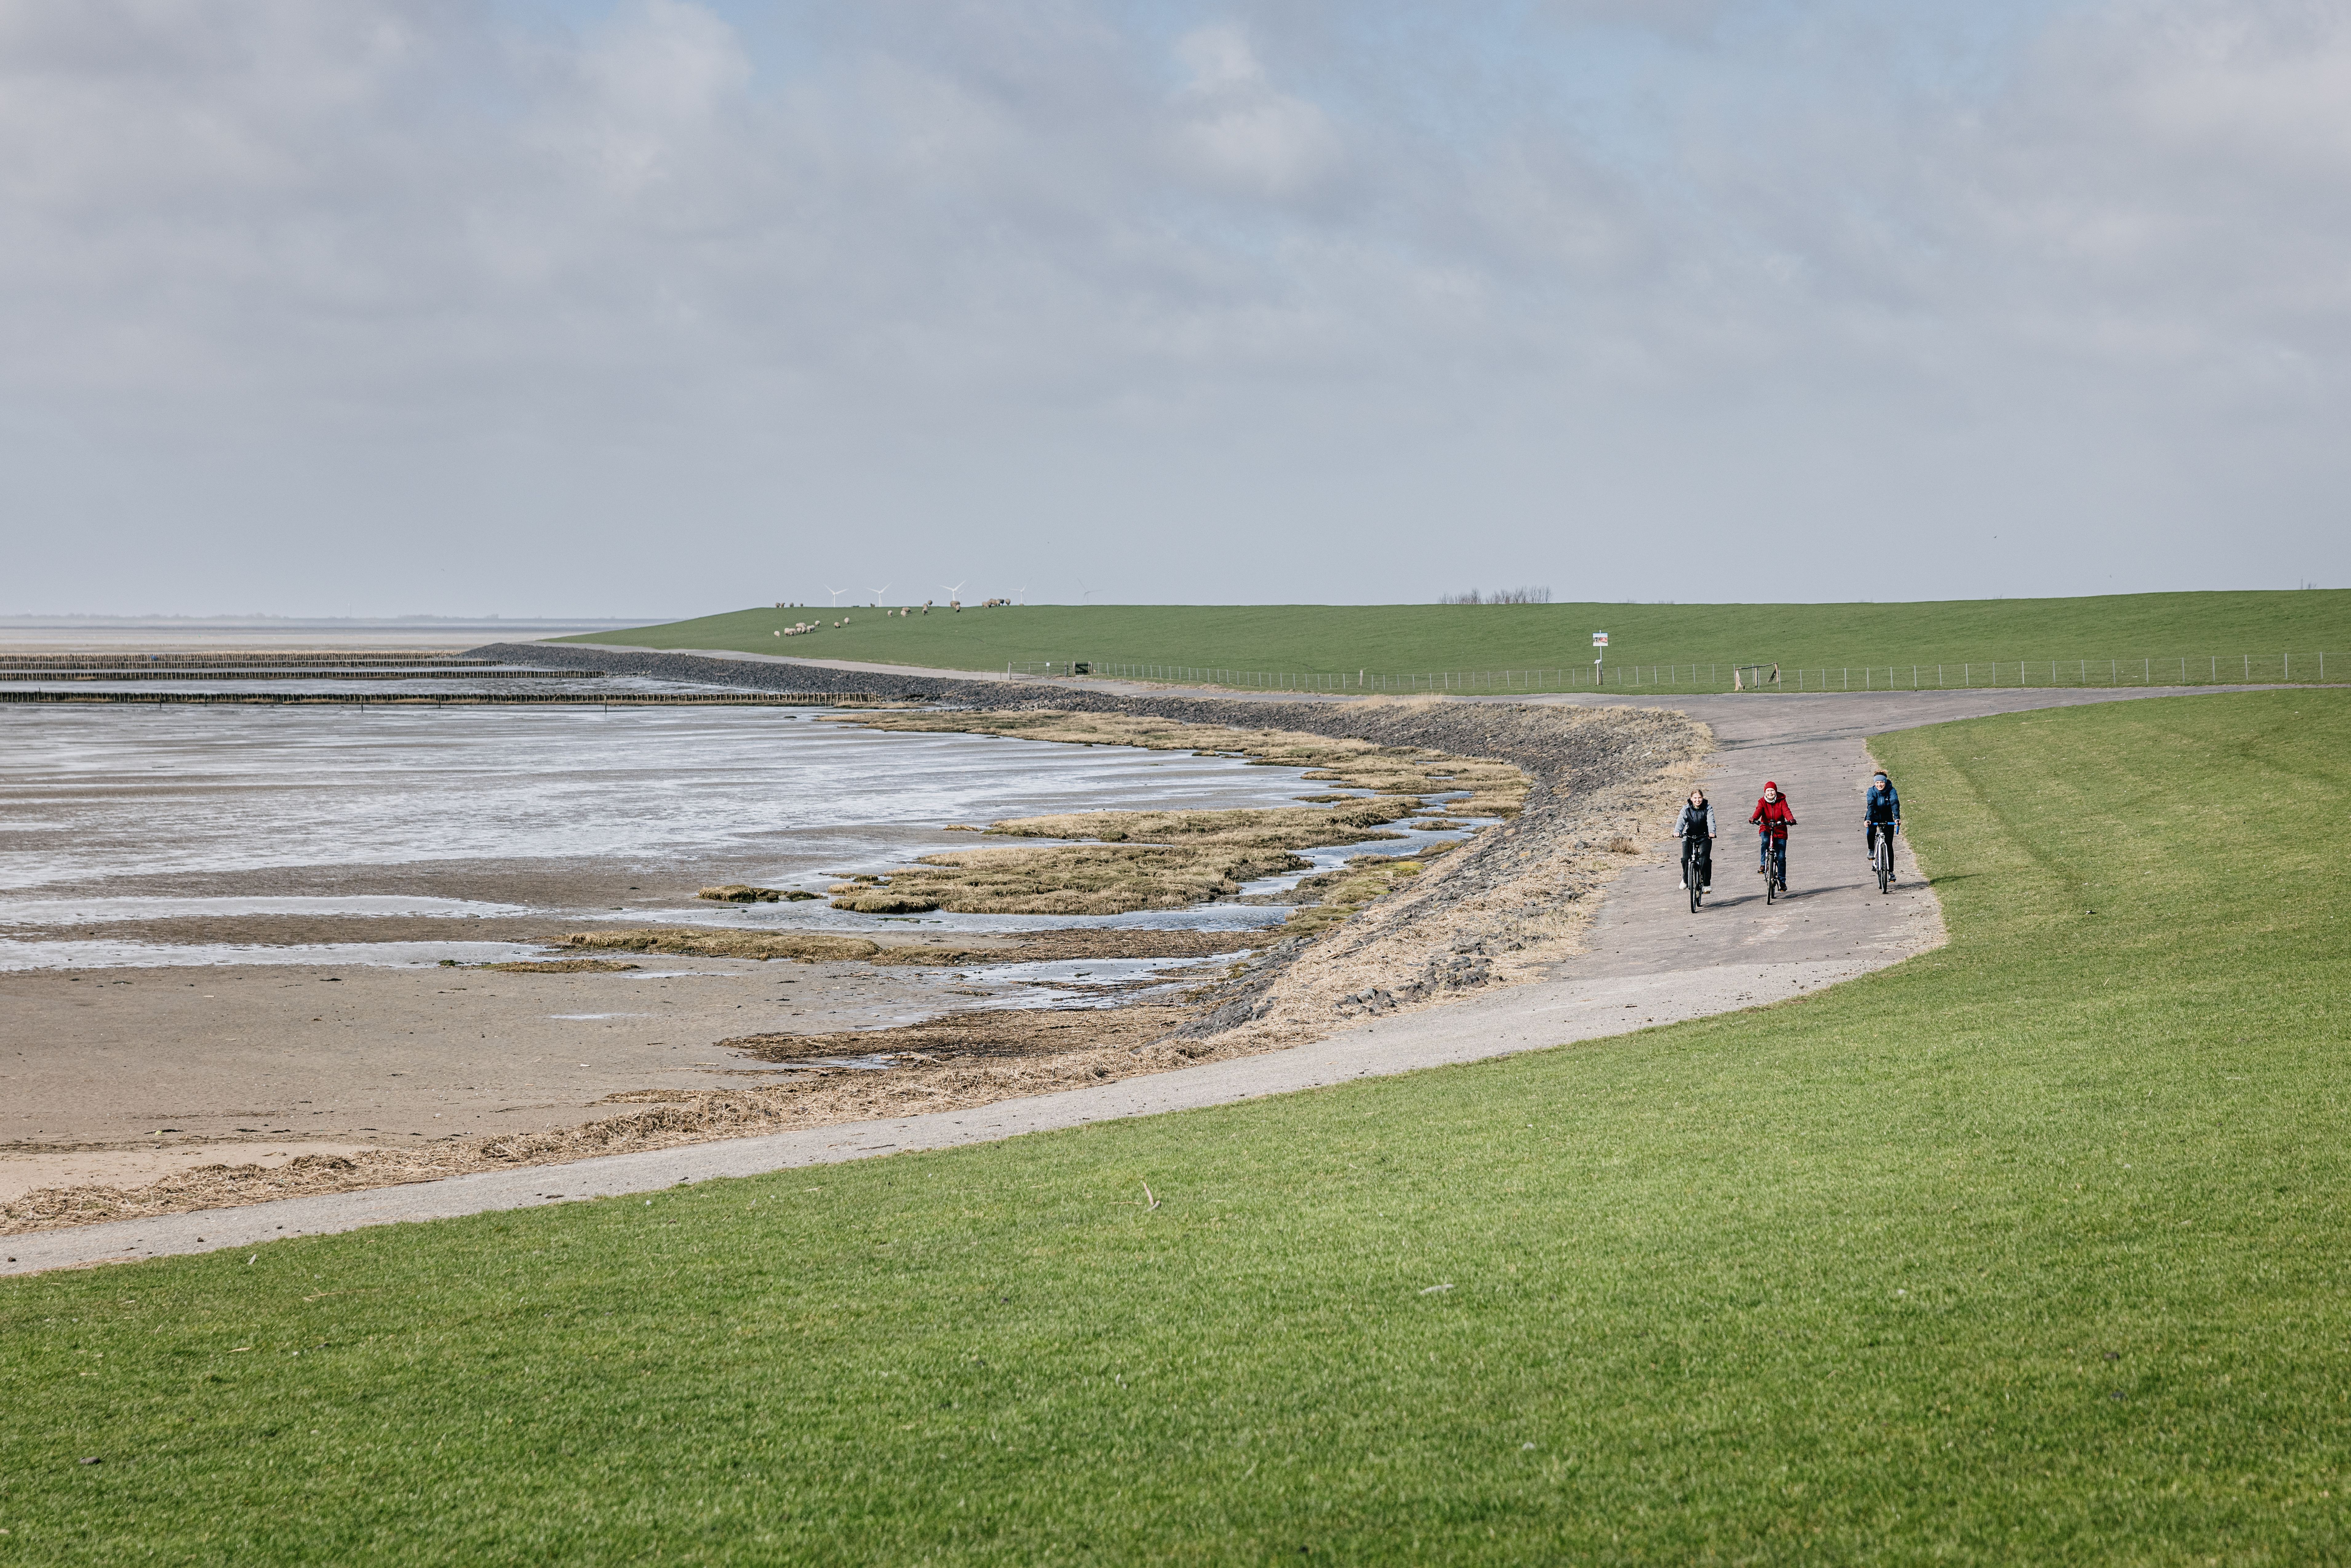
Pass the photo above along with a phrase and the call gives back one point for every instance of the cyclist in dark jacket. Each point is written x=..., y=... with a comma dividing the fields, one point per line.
x=1881, y=811
x=1695, y=826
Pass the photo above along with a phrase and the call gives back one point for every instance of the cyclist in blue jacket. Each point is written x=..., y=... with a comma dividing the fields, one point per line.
x=1881, y=813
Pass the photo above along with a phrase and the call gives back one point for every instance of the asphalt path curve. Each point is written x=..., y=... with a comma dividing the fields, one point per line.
x=1650, y=961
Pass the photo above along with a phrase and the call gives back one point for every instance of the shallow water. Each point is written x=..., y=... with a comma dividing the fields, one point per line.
x=172, y=813
x=90, y=797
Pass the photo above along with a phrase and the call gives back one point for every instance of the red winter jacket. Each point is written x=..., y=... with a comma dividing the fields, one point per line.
x=1773, y=817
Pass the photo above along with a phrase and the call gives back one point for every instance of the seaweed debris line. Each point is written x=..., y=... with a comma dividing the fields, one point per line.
x=1557, y=795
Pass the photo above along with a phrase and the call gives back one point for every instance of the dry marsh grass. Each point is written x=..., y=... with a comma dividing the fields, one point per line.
x=881, y=901
x=1131, y=861
x=743, y=893
x=688, y=941
x=1078, y=879
x=1266, y=828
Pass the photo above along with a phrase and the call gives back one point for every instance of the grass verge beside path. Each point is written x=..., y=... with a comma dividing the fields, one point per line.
x=1397, y=639
x=2028, y=1249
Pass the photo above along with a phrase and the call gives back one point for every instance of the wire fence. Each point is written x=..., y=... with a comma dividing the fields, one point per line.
x=1744, y=676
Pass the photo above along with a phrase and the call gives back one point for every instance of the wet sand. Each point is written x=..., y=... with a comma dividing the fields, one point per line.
x=240, y=1060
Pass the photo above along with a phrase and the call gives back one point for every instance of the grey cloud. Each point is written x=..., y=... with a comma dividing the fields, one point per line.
x=1302, y=287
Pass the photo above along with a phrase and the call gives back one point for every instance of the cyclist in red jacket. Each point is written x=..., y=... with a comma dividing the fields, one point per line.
x=1772, y=819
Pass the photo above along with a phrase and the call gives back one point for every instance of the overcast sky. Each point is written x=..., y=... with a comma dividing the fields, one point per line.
x=654, y=307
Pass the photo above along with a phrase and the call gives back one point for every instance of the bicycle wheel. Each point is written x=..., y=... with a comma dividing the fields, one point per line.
x=1885, y=861
x=1771, y=872
x=1689, y=876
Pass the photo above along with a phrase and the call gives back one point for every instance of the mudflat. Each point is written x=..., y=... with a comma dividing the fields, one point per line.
x=239, y=1059
x=415, y=1073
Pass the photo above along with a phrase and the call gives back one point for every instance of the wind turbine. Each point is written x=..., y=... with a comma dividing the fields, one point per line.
x=878, y=593
x=836, y=593
x=1022, y=595
x=951, y=593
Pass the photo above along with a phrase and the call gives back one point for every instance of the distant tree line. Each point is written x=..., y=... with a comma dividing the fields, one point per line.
x=1500, y=596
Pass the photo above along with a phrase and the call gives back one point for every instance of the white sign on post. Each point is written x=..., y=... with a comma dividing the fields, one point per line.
x=1600, y=639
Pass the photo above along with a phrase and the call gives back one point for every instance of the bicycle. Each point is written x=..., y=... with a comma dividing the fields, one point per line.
x=1691, y=877
x=1882, y=853
x=1775, y=869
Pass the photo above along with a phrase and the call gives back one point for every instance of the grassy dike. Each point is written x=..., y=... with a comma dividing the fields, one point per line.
x=2030, y=1250
x=1402, y=638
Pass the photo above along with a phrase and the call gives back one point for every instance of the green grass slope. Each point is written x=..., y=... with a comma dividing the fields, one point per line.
x=1407, y=638
x=2028, y=1250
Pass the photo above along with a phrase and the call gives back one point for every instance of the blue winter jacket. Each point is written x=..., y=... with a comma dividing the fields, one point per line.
x=1882, y=805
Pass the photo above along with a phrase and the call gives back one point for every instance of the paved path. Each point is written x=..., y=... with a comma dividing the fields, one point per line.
x=1815, y=748
x=1650, y=962
x=1836, y=913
